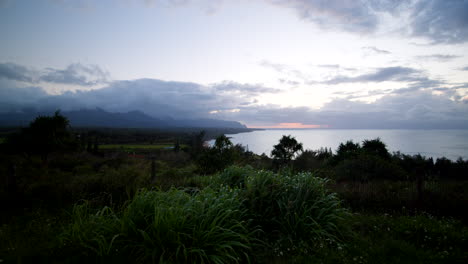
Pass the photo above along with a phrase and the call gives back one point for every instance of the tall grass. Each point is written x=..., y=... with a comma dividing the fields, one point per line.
x=173, y=226
x=289, y=208
x=295, y=208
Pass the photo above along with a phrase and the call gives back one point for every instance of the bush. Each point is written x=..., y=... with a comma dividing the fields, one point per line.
x=294, y=207
x=172, y=226
x=365, y=167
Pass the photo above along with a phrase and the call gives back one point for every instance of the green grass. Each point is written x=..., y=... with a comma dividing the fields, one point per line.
x=397, y=239
x=237, y=216
x=172, y=226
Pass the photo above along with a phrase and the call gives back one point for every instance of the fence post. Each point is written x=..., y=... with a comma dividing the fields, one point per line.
x=153, y=169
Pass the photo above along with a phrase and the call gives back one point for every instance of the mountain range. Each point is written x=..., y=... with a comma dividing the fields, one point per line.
x=101, y=118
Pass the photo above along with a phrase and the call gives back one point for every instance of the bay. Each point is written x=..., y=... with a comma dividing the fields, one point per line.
x=451, y=144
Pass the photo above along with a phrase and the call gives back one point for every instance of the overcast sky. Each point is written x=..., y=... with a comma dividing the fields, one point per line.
x=265, y=63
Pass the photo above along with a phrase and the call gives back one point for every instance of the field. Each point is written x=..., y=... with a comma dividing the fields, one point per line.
x=132, y=147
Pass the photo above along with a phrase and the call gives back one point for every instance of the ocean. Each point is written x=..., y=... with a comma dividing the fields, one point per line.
x=451, y=144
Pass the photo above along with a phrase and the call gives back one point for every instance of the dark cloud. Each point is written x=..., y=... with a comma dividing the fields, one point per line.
x=15, y=72
x=157, y=98
x=76, y=74
x=380, y=75
x=439, y=57
x=441, y=21
x=418, y=109
x=376, y=50
x=14, y=98
x=348, y=15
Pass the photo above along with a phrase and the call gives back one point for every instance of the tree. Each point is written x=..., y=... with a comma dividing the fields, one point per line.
x=376, y=147
x=44, y=135
x=286, y=150
x=347, y=150
x=222, y=143
x=197, y=143
x=218, y=157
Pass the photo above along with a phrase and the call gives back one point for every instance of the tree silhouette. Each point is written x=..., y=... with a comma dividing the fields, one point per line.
x=347, y=150
x=376, y=147
x=286, y=149
x=222, y=143
x=218, y=157
x=44, y=135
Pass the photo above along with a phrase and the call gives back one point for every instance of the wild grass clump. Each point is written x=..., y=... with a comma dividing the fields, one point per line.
x=173, y=226
x=294, y=208
x=235, y=176
x=291, y=209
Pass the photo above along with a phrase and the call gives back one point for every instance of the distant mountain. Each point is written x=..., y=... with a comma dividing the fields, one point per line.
x=100, y=118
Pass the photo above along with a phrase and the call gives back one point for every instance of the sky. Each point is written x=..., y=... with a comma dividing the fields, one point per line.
x=264, y=63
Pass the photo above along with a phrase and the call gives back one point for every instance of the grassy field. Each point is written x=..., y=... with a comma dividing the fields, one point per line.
x=136, y=146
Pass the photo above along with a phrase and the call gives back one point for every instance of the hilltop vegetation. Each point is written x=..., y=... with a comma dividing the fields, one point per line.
x=77, y=195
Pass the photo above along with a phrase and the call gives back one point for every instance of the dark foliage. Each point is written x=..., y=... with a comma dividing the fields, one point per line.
x=285, y=150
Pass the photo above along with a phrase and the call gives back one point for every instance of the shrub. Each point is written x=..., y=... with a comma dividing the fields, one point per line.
x=172, y=226
x=294, y=207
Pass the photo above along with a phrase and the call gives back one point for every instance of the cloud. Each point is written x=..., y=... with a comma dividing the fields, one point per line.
x=245, y=89
x=288, y=82
x=329, y=66
x=275, y=66
x=441, y=21
x=155, y=97
x=376, y=50
x=347, y=15
x=15, y=72
x=380, y=75
x=233, y=101
x=284, y=69
x=416, y=110
x=14, y=98
x=76, y=74
x=439, y=57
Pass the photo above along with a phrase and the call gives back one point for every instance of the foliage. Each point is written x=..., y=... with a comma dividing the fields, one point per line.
x=44, y=135
x=286, y=149
x=347, y=150
x=218, y=157
x=171, y=226
x=397, y=239
x=365, y=167
x=375, y=147
x=294, y=207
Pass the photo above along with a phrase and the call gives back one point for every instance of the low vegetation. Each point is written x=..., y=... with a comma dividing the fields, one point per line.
x=78, y=200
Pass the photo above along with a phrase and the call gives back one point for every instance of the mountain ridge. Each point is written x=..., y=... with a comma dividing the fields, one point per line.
x=100, y=118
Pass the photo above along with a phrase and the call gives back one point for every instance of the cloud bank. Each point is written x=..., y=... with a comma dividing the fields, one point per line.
x=73, y=74
x=422, y=108
x=439, y=21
